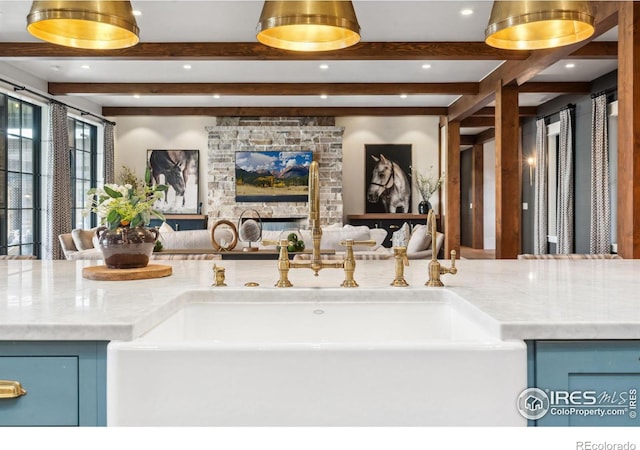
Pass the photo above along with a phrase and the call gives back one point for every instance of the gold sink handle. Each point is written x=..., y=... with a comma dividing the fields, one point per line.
x=11, y=389
x=350, y=261
x=400, y=255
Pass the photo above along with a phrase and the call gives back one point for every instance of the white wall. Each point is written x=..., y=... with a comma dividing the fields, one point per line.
x=489, y=194
x=419, y=131
x=134, y=135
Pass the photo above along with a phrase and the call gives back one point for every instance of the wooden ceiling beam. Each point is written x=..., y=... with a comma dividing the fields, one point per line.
x=271, y=111
x=254, y=51
x=476, y=122
x=597, y=50
x=606, y=17
x=488, y=111
x=263, y=88
x=570, y=87
x=467, y=140
x=486, y=136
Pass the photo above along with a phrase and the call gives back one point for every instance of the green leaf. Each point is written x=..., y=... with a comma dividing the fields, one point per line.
x=147, y=176
x=137, y=220
x=112, y=193
x=162, y=187
x=113, y=216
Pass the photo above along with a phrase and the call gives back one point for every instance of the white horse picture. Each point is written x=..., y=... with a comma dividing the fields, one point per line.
x=389, y=185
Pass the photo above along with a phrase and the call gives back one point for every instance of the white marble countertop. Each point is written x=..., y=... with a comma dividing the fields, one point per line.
x=529, y=299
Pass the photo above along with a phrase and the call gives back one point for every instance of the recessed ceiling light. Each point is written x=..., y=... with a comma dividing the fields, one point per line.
x=216, y=95
x=466, y=12
x=403, y=96
x=85, y=66
x=324, y=96
x=187, y=66
x=137, y=13
x=570, y=65
x=324, y=66
x=136, y=95
x=426, y=66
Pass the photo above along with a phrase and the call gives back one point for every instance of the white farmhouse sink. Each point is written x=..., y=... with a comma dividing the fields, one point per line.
x=413, y=361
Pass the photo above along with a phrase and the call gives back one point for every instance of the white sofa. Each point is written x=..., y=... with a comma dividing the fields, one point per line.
x=79, y=244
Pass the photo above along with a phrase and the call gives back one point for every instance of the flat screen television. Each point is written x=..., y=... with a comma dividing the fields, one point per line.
x=272, y=176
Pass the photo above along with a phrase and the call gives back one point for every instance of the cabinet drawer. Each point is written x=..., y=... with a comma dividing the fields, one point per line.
x=51, y=383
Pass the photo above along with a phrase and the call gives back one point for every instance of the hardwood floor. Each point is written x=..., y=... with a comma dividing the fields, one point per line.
x=472, y=253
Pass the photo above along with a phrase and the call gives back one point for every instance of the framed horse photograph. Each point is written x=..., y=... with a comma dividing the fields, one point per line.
x=388, y=178
x=178, y=169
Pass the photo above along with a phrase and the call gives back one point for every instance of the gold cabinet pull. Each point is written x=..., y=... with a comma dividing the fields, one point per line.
x=11, y=389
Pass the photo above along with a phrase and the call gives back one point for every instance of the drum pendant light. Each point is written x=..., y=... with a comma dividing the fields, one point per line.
x=97, y=25
x=533, y=25
x=308, y=26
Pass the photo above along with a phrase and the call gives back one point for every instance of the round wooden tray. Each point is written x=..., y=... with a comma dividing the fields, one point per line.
x=103, y=273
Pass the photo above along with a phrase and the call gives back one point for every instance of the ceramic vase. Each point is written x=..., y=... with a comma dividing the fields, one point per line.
x=126, y=248
x=423, y=207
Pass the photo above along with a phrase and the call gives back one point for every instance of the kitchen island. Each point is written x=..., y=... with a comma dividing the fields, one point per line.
x=559, y=307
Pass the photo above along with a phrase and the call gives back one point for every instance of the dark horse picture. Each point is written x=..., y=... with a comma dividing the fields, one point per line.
x=388, y=178
x=178, y=169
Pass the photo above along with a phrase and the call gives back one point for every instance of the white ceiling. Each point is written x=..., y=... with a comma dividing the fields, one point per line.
x=235, y=21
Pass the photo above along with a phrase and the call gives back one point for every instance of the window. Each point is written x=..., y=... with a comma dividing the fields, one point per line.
x=82, y=153
x=19, y=177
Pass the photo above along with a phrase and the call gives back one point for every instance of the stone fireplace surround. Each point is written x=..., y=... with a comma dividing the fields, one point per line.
x=233, y=134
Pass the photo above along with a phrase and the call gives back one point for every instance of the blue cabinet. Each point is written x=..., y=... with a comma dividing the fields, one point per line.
x=65, y=383
x=588, y=383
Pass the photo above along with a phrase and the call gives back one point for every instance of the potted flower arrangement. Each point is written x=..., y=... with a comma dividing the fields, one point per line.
x=427, y=185
x=124, y=211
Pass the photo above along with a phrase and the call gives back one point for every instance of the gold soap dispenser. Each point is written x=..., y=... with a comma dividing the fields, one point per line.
x=400, y=255
x=399, y=242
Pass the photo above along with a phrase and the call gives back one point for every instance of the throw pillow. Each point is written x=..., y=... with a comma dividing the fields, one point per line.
x=419, y=240
x=165, y=228
x=332, y=236
x=378, y=235
x=83, y=239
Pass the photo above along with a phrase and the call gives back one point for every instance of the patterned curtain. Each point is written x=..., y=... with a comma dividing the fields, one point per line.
x=540, y=206
x=109, y=170
x=565, y=184
x=600, y=236
x=59, y=188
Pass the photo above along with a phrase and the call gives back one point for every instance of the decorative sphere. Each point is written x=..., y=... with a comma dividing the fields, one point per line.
x=249, y=231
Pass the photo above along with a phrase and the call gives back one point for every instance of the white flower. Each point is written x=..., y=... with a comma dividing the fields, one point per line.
x=427, y=185
x=126, y=205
